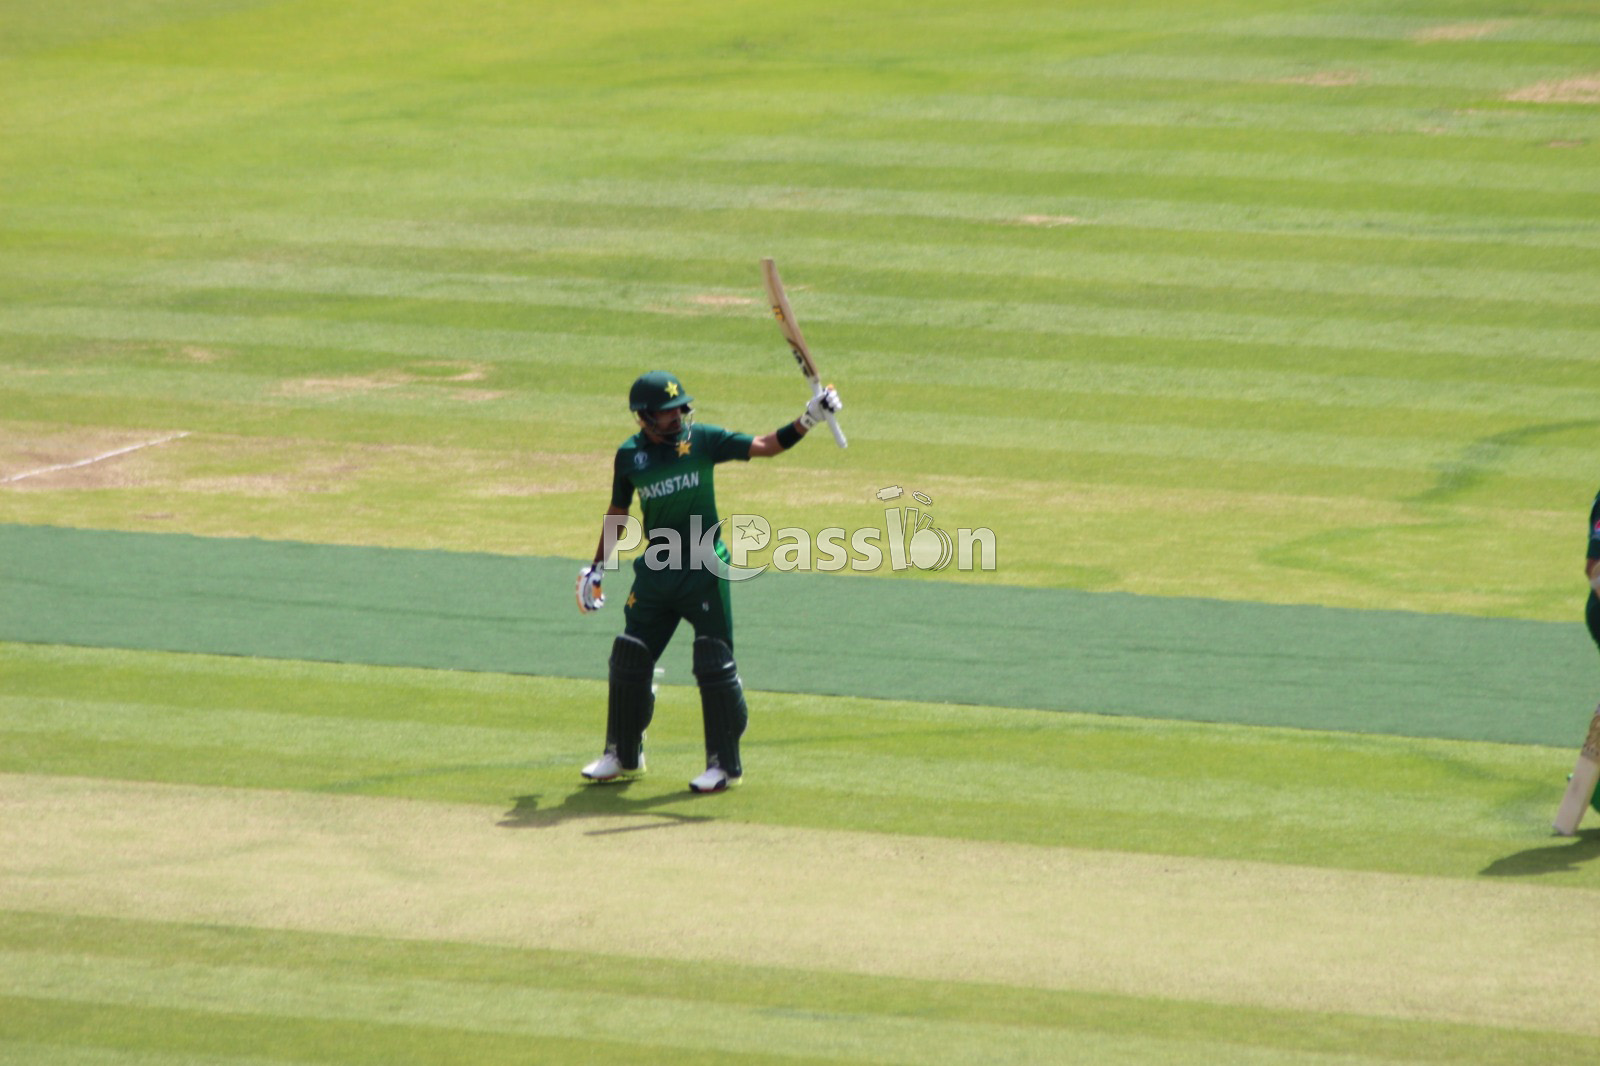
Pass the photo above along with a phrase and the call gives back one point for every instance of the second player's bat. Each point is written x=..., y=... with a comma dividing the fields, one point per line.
x=791, y=333
x=1584, y=777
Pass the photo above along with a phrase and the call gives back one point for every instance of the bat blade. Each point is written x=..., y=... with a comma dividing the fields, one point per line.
x=1585, y=775
x=797, y=342
x=786, y=321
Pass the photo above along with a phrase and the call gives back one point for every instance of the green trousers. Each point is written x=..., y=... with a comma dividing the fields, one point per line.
x=660, y=599
x=1591, y=616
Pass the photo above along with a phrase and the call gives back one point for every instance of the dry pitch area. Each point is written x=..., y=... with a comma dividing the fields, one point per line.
x=682, y=888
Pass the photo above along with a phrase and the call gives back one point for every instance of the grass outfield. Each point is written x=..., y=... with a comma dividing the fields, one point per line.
x=1263, y=302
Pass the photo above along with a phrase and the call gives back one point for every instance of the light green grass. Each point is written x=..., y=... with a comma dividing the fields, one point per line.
x=817, y=1017
x=1440, y=808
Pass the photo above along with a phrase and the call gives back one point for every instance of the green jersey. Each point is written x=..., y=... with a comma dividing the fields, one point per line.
x=1594, y=530
x=1591, y=610
x=673, y=480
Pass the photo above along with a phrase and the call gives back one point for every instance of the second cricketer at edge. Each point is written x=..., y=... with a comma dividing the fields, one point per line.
x=669, y=463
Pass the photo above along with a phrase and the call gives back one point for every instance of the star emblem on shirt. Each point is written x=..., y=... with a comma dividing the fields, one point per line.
x=683, y=448
x=672, y=389
x=632, y=600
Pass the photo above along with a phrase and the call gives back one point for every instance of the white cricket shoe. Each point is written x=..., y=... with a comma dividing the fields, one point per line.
x=609, y=768
x=715, y=779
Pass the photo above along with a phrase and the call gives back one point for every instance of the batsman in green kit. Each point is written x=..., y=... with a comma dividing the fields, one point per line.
x=669, y=465
x=1591, y=569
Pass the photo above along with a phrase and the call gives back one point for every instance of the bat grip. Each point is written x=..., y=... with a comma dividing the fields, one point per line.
x=838, y=434
x=833, y=422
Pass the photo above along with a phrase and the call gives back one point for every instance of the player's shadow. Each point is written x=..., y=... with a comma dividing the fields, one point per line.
x=1564, y=857
x=602, y=803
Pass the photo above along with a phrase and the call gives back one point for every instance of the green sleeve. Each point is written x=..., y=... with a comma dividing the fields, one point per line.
x=726, y=444
x=1594, y=530
x=621, y=484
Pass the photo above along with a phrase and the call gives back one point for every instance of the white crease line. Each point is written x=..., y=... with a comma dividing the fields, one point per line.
x=95, y=459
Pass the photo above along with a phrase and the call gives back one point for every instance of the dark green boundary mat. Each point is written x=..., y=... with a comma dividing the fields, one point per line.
x=1052, y=649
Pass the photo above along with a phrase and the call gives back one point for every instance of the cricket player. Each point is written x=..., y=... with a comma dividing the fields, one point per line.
x=1591, y=613
x=669, y=464
x=1591, y=610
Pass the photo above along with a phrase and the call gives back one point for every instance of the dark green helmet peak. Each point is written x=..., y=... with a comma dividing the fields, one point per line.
x=658, y=391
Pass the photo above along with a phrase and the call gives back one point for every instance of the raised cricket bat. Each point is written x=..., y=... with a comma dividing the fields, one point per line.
x=1584, y=777
x=791, y=333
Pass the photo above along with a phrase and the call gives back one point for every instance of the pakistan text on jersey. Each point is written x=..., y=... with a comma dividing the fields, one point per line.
x=667, y=486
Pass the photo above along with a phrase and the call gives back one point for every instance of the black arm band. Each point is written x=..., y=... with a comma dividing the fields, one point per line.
x=788, y=436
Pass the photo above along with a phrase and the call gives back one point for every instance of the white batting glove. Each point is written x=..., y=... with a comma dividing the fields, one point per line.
x=590, y=598
x=821, y=406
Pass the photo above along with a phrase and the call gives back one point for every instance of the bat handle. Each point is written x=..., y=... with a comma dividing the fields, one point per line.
x=833, y=421
x=838, y=434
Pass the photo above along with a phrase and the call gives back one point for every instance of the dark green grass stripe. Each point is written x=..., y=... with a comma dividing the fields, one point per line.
x=1039, y=110
x=937, y=273
x=1076, y=163
x=1402, y=156
x=1050, y=110
x=1268, y=63
x=1363, y=671
x=1092, y=425
x=1463, y=410
x=1474, y=480
x=829, y=1000
x=1044, y=305
x=100, y=1034
x=1057, y=252
x=1078, y=156
x=1460, y=216
x=362, y=303
x=782, y=209
x=545, y=358
x=511, y=744
x=1496, y=25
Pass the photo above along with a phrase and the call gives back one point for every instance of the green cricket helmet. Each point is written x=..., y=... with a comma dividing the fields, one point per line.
x=658, y=391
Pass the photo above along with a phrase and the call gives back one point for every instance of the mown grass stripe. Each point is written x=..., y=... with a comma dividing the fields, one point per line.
x=621, y=248
x=64, y=1051
x=371, y=754
x=796, y=994
x=543, y=360
x=1537, y=224
x=1074, y=161
x=1391, y=399
x=286, y=734
x=1441, y=808
x=1038, y=304
x=1194, y=929
x=1420, y=70
x=1493, y=27
x=79, y=1033
x=280, y=318
x=1426, y=162
x=218, y=995
x=1396, y=445
x=1116, y=105
x=296, y=997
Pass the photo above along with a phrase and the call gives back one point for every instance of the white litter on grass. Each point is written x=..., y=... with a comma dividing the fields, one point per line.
x=94, y=459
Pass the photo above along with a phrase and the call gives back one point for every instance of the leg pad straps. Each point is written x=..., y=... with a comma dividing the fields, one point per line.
x=721, y=702
x=632, y=704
